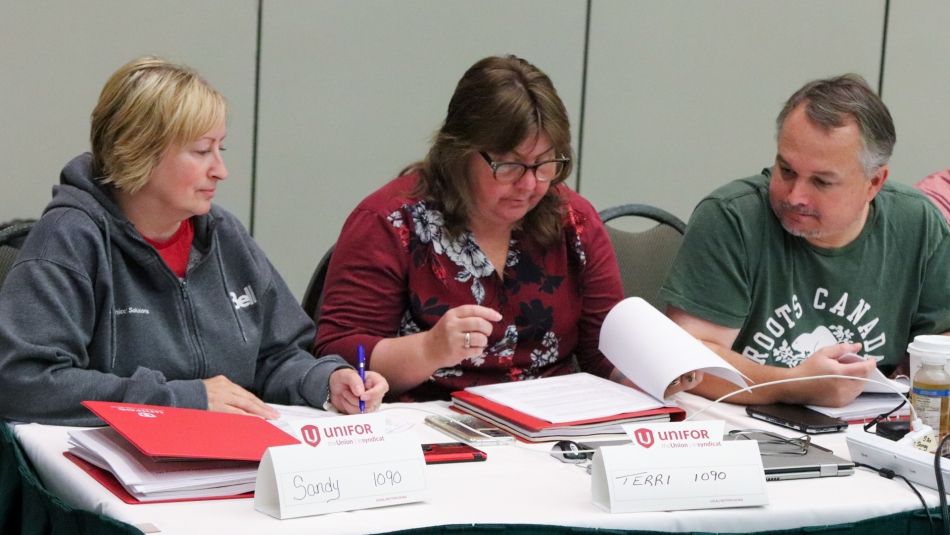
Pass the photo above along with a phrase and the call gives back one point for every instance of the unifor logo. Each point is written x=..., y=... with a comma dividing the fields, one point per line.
x=644, y=437
x=311, y=434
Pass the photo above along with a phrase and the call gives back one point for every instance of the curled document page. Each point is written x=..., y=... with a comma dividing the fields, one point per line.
x=652, y=351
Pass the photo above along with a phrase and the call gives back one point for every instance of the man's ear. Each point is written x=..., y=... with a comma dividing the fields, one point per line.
x=877, y=181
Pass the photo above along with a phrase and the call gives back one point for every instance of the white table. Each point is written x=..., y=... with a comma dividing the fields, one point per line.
x=518, y=484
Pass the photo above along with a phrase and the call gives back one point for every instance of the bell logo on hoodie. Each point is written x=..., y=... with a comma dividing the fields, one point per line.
x=243, y=301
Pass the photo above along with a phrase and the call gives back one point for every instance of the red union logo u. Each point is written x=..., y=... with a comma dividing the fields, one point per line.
x=644, y=437
x=311, y=434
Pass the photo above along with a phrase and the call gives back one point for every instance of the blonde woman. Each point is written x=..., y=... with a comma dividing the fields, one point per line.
x=134, y=287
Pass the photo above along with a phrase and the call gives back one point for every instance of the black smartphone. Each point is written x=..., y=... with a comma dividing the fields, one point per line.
x=452, y=452
x=797, y=417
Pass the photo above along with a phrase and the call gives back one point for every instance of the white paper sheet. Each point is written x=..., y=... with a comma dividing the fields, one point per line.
x=652, y=351
x=568, y=398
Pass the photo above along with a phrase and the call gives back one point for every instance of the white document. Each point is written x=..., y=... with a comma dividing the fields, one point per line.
x=652, y=351
x=293, y=418
x=567, y=398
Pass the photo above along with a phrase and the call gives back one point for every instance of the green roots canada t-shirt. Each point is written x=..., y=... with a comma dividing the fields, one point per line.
x=739, y=268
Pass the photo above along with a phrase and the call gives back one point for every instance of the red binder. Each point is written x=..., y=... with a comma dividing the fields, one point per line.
x=176, y=433
x=534, y=429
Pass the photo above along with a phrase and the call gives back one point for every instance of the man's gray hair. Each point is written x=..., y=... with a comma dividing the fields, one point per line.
x=829, y=103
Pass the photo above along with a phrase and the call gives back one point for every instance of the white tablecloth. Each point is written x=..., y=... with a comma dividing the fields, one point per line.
x=518, y=484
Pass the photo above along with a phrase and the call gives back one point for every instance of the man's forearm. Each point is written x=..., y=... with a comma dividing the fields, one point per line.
x=713, y=387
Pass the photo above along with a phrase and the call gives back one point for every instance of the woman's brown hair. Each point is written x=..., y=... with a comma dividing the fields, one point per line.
x=500, y=102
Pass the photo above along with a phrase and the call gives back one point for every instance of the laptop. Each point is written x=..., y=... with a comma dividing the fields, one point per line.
x=816, y=462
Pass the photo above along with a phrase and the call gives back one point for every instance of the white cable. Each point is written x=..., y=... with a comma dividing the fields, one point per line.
x=913, y=411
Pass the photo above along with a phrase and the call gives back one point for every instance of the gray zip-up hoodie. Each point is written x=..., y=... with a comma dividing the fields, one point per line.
x=90, y=311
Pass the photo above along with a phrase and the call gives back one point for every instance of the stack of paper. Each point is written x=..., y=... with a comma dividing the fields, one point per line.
x=879, y=396
x=566, y=406
x=153, y=453
x=148, y=480
x=867, y=406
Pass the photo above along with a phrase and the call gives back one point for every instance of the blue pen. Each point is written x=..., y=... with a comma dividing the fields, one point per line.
x=361, y=363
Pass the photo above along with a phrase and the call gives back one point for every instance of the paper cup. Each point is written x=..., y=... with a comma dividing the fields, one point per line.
x=927, y=343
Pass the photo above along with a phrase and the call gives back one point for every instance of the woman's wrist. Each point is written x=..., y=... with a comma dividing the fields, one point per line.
x=431, y=359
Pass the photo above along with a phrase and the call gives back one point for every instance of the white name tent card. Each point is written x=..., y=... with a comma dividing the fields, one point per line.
x=673, y=466
x=345, y=463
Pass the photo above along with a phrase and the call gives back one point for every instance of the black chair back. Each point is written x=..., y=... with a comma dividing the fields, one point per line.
x=313, y=297
x=645, y=257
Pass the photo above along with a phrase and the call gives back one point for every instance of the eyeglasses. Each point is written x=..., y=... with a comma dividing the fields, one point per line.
x=570, y=452
x=511, y=172
x=773, y=444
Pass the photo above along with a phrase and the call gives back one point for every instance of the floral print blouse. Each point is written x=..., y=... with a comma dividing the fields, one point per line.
x=395, y=271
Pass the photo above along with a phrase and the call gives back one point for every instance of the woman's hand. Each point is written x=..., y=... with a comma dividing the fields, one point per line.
x=225, y=396
x=346, y=390
x=459, y=334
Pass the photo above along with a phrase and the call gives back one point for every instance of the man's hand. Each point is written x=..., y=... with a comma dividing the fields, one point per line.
x=830, y=392
x=684, y=382
x=681, y=383
x=225, y=396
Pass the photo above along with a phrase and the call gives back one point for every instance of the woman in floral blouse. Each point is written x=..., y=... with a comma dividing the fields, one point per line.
x=477, y=265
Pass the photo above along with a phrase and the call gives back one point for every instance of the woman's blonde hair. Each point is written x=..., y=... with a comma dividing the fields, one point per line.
x=147, y=106
x=499, y=102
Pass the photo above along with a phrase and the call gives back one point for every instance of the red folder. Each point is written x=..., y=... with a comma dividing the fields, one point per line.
x=536, y=429
x=176, y=433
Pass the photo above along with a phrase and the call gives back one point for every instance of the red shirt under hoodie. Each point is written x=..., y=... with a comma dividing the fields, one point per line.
x=174, y=251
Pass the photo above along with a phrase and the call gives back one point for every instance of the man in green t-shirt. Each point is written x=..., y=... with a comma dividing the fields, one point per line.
x=785, y=273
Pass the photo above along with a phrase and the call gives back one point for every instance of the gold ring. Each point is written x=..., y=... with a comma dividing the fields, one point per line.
x=468, y=341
